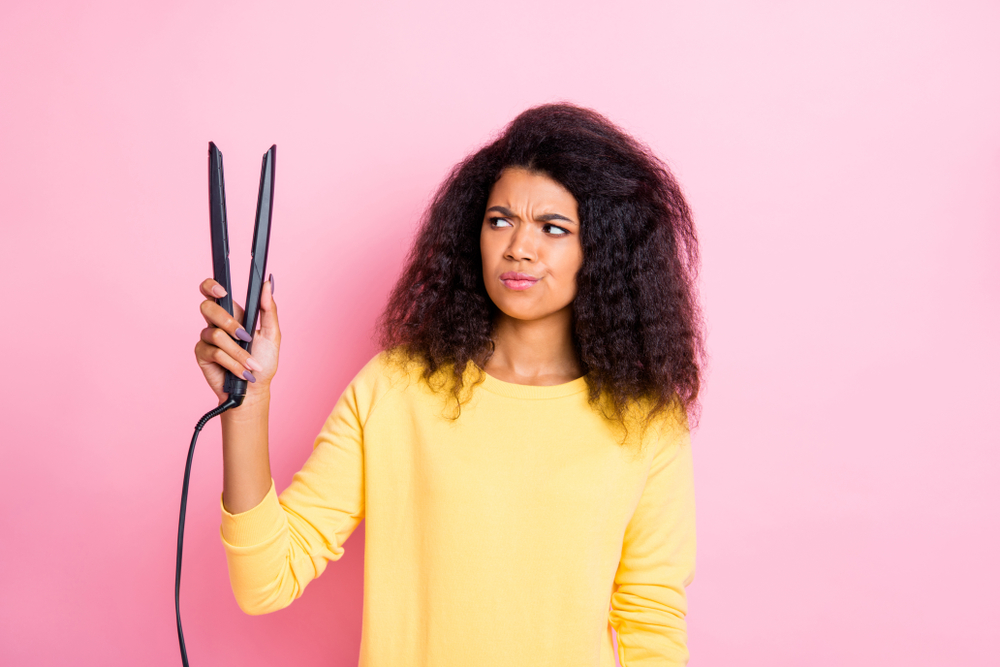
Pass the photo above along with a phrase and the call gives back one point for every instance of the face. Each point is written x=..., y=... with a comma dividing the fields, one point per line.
x=530, y=243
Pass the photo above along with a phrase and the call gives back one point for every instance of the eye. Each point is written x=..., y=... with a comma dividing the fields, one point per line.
x=554, y=230
x=499, y=222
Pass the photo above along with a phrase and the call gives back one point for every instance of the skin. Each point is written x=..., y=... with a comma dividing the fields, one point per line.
x=531, y=226
x=246, y=468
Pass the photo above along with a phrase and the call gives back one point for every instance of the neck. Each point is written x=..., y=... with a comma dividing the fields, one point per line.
x=534, y=352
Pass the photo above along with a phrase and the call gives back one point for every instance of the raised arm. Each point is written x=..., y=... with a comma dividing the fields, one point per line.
x=277, y=547
x=246, y=467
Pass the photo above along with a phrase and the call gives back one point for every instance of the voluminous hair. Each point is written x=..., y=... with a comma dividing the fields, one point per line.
x=636, y=322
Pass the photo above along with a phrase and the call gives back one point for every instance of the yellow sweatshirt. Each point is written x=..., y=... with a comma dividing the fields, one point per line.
x=498, y=538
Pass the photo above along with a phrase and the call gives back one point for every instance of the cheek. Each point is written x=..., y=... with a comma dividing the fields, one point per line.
x=485, y=252
x=569, y=263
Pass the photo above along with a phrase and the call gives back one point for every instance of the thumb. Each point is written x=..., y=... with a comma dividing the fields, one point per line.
x=269, y=312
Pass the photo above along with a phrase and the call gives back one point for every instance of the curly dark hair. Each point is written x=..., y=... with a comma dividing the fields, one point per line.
x=637, y=325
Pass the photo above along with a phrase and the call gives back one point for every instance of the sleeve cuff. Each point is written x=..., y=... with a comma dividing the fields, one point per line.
x=255, y=526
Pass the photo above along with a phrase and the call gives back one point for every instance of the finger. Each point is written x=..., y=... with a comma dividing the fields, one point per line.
x=216, y=315
x=211, y=289
x=230, y=364
x=209, y=355
x=269, y=312
x=216, y=337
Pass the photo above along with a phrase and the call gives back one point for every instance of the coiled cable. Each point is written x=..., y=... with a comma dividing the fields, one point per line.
x=229, y=403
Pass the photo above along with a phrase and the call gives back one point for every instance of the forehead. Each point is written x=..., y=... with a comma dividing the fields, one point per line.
x=519, y=187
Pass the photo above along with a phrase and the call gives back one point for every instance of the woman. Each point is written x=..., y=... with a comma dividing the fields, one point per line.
x=520, y=447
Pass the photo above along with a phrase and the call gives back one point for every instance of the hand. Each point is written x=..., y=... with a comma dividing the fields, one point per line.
x=217, y=349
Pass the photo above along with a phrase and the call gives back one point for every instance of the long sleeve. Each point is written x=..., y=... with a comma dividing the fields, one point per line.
x=649, y=603
x=275, y=549
x=491, y=539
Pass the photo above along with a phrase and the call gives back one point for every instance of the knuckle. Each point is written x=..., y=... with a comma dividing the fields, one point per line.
x=203, y=352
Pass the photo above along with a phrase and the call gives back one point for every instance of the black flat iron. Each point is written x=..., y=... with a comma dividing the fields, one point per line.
x=234, y=386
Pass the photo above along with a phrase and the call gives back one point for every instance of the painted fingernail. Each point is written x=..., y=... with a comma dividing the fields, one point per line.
x=218, y=291
x=242, y=334
x=270, y=279
x=248, y=376
x=252, y=364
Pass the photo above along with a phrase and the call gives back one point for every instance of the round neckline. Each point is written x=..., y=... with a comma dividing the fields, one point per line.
x=531, y=391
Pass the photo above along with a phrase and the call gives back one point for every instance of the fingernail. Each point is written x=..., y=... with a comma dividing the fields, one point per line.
x=270, y=279
x=253, y=365
x=248, y=376
x=242, y=334
x=218, y=291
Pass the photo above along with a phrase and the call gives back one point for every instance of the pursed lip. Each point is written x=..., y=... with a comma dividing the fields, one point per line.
x=513, y=275
x=517, y=281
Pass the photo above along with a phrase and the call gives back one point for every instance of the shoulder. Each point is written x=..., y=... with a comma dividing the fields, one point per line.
x=385, y=367
x=655, y=435
x=672, y=433
x=389, y=371
x=388, y=368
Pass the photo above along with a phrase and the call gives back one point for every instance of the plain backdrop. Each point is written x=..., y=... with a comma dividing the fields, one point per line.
x=843, y=163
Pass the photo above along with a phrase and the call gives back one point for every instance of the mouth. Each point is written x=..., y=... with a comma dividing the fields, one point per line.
x=517, y=281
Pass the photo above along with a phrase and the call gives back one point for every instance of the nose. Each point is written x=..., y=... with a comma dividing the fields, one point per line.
x=522, y=244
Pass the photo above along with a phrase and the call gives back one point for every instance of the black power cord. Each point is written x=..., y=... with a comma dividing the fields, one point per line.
x=231, y=402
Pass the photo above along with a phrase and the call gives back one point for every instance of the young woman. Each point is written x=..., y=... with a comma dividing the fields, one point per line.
x=519, y=449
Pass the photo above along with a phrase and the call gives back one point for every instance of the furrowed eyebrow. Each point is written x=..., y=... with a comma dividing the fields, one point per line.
x=502, y=211
x=547, y=217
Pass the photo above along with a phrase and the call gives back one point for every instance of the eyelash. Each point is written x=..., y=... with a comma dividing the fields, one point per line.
x=564, y=231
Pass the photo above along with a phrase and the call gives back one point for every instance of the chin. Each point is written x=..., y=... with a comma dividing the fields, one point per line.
x=523, y=316
x=514, y=312
x=526, y=314
x=524, y=307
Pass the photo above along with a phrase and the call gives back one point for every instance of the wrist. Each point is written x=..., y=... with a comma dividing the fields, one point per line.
x=255, y=403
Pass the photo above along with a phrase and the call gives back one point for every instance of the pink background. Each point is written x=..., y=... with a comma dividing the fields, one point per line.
x=843, y=162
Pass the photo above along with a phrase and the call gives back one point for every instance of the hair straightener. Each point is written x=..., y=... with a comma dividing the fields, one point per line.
x=235, y=387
